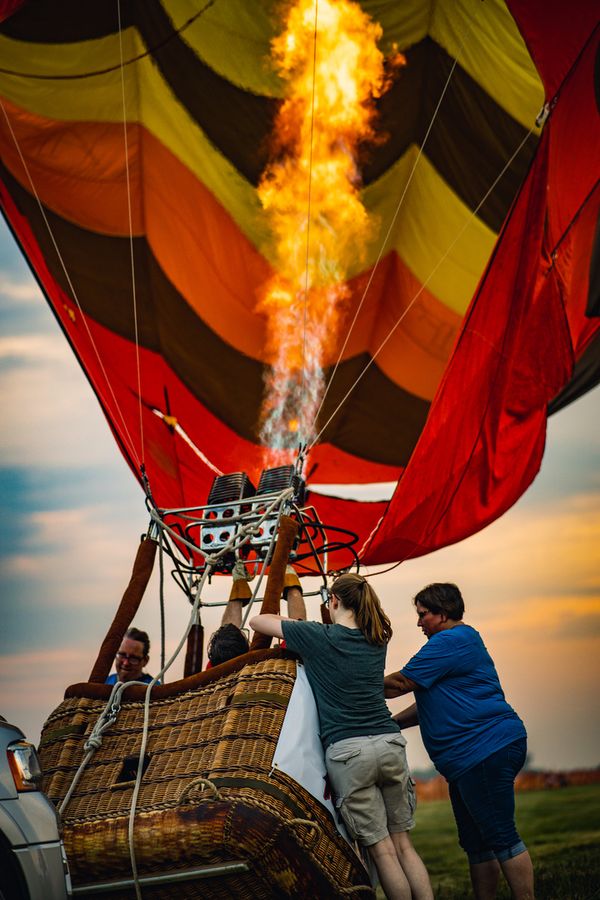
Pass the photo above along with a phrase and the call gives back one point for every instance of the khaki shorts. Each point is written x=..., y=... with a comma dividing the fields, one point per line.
x=371, y=781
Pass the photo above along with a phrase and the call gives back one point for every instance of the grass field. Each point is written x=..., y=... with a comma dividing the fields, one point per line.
x=560, y=827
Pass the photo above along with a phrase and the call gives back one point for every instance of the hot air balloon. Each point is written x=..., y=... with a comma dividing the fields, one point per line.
x=131, y=160
x=140, y=146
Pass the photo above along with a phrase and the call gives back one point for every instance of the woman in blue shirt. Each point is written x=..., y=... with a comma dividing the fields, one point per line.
x=474, y=738
x=364, y=749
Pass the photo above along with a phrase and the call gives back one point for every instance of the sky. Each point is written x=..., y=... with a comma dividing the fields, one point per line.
x=71, y=515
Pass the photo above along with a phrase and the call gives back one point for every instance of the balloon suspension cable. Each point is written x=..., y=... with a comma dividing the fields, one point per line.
x=111, y=710
x=146, y=486
x=249, y=526
x=386, y=238
x=161, y=568
x=309, y=199
x=300, y=459
x=146, y=728
x=112, y=706
x=313, y=548
x=263, y=569
x=282, y=501
x=442, y=259
x=130, y=222
x=125, y=434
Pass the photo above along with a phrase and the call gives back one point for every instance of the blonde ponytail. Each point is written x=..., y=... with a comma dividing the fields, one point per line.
x=356, y=594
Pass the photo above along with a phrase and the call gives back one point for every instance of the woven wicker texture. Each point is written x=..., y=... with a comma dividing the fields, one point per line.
x=209, y=793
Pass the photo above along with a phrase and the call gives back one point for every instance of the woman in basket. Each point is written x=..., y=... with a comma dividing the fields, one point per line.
x=364, y=749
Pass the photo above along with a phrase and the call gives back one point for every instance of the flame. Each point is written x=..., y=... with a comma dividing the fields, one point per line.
x=333, y=70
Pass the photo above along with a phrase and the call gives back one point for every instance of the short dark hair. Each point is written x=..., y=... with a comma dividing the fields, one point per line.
x=134, y=634
x=442, y=597
x=227, y=642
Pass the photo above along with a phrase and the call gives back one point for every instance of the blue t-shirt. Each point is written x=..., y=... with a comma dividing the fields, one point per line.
x=463, y=715
x=345, y=673
x=112, y=679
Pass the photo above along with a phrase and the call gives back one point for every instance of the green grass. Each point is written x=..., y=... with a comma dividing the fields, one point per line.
x=560, y=827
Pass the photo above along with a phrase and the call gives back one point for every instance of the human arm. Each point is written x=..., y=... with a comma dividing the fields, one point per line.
x=397, y=684
x=295, y=602
x=293, y=594
x=267, y=623
x=408, y=717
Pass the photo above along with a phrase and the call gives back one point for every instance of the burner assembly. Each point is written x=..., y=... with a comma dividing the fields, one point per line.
x=234, y=503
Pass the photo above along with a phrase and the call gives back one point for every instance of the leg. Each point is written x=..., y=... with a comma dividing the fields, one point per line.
x=412, y=866
x=484, y=878
x=486, y=793
x=518, y=872
x=483, y=865
x=399, y=797
x=393, y=880
x=352, y=768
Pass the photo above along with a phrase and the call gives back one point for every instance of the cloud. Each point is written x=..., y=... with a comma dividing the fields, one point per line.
x=50, y=413
x=73, y=548
x=33, y=349
x=20, y=290
x=33, y=682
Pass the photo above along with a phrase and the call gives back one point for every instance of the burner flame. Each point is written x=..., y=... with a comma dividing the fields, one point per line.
x=333, y=72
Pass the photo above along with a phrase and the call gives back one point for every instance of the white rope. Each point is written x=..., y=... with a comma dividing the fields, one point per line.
x=385, y=240
x=106, y=405
x=140, y=772
x=182, y=434
x=310, y=167
x=105, y=720
x=391, y=225
x=263, y=569
x=131, y=253
x=110, y=712
x=422, y=287
x=161, y=594
x=192, y=620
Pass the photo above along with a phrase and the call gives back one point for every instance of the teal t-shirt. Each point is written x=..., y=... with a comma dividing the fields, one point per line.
x=463, y=714
x=345, y=673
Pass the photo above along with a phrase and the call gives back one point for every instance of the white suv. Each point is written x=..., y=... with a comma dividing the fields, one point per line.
x=33, y=865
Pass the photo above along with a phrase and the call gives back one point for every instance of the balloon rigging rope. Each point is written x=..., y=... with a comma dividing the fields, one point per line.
x=310, y=167
x=241, y=537
x=111, y=710
x=423, y=286
x=161, y=567
x=74, y=295
x=131, y=253
x=384, y=244
x=146, y=727
x=246, y=531
x=385, y=240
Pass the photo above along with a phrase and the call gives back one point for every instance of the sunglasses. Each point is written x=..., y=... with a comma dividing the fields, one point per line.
x=130, y=657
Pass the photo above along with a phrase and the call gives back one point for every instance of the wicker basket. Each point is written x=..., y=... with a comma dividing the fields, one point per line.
x=209, y=794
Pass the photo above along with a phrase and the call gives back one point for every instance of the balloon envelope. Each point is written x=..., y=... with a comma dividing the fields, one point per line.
x=130, y=161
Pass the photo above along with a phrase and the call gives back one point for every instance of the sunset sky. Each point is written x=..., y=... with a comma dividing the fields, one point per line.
x=72, y=515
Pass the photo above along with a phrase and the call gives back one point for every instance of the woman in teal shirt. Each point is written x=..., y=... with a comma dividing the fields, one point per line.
x=364, y=749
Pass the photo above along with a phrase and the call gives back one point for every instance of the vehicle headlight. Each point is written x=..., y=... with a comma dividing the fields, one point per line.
x=24, y=766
